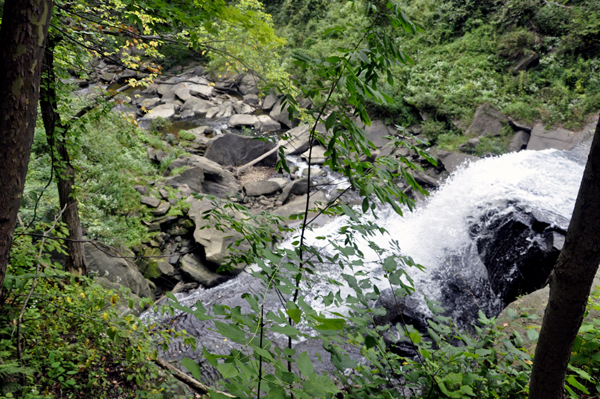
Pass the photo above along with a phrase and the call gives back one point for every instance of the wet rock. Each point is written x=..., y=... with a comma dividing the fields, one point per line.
x=232, y=149
x=519, y=141
x=192, y=178
x=214, y=179
x=281, y=181
x=296, y=187
x=518, y=248
x=150, y=103
x=314, y=172
x=150, y=201
x=487, y=122
x=263, y=187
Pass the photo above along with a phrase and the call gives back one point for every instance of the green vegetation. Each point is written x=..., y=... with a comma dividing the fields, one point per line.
x=66, y=336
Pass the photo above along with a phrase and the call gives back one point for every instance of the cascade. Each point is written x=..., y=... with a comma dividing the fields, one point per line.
x=447, y=234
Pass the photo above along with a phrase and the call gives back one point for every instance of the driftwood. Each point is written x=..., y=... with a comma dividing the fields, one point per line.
x=263, y=156
x=186, y=379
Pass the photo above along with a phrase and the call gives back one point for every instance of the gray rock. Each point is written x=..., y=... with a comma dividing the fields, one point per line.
x=248, y=85
x=452, y=160
x=144, y=190
x=424, y=179
x=242, y=120
x=317, y=155
x=266, y=124
x=216, y=243
x=269, y=102
x=526, y=62
x=212, y=112
x=376, y=131
x=162, y=111
x=232, y=149
x=150, y=201
x=520, y=126
x=281, y=115
x=297, y=187
x=251, y=99
x=162, y=209
x=166, y=269
x=487, y=122
x=192, y=268
x=122, y=307
x=298, y=141
x=104, y=261
x=519, y=141
x=182, y=90
x=263, y=187
x=281, y=181
x=164, y=194
x=192, y=178
x=559, y=138
x=150, y=103
x=314, y=172
x=213, y=180
x=107, y=77
x=298, y=206
x=197, y=105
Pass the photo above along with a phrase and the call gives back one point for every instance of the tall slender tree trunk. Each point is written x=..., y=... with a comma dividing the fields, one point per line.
x=56, y=133
x=570, y=285
x=22, y=40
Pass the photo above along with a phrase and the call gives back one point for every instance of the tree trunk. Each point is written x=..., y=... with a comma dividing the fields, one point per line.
x=22, y=39
x=570, y=285
x=56, y=134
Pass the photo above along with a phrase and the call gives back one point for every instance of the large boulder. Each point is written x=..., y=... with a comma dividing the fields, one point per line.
x=317, y=199
x=487, y=122
x=525, y=62
x=216, y=243
x=376, y=132
x=558, y=138
x=265, y=124
x=452, y=161
x=519, y=141
x=197, y=105
x=162, y=111
x=232, y=149
x=262, y=187
x=192, y=268
x=104, y=261
x=518, y=248
x=281, y=114
x=298, y=140
x=242, y=120
x=317, y=155
x=203, y=176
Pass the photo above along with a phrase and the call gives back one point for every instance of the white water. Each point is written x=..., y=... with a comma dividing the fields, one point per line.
x=537, y=180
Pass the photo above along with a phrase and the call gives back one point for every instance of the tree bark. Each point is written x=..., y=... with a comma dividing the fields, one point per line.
x=570, y=285
x=56, y=133
x=22, y=39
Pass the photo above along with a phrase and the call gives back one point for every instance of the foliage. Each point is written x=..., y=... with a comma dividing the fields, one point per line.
x=78, y=339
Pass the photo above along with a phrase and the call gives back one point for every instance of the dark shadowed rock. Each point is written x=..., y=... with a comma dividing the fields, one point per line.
x=519, y=141
x=297, y=187
x=452, y=160
x=298, y=142
x=518, y=248
x=524, y=63
x=192, y=178
x=193, y=268
x=231, y=149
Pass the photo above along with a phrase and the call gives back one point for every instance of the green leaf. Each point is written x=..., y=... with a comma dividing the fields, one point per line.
x=227, y=370
x=533, y=335
x=319, y=386
x=304, y=364
x=571, y=380
x=192, y=367
x=295, y=314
